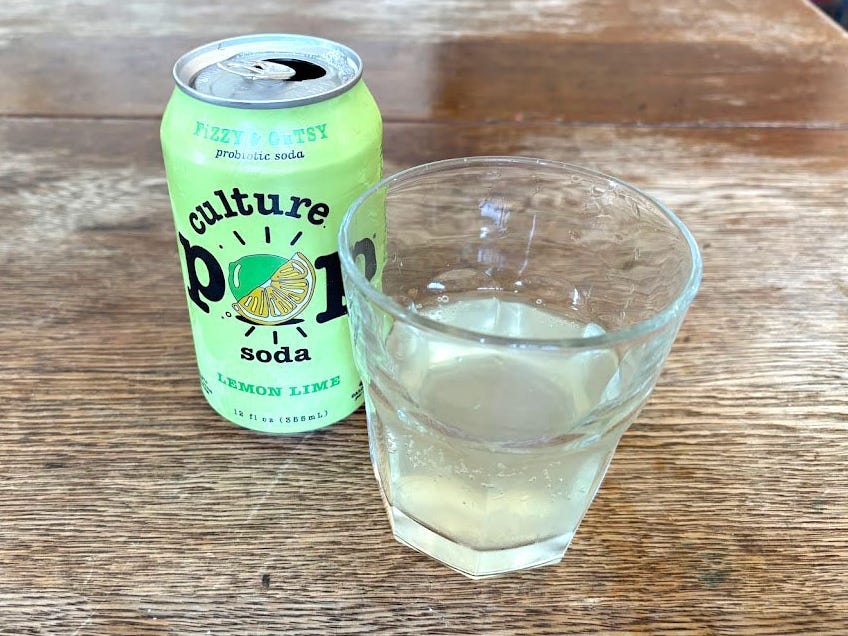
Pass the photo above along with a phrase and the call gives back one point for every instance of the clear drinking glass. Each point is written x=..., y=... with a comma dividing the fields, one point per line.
x=509, y=317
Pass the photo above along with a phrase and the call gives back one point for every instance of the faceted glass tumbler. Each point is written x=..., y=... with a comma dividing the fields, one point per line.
x=510, y=317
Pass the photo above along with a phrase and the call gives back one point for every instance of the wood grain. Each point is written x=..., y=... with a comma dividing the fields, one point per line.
x=760, y=62
x=128, y=507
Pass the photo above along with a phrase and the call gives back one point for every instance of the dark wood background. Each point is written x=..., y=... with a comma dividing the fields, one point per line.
x=128, y=507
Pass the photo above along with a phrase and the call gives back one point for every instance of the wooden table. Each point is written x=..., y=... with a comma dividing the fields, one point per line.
x=128, y=507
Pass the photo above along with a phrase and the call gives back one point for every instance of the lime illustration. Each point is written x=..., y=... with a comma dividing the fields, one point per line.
x=271, y=289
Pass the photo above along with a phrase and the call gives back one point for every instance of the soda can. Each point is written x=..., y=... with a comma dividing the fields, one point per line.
x=266, y=140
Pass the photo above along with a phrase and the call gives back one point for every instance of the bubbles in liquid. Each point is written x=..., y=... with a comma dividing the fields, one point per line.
x=493, y=437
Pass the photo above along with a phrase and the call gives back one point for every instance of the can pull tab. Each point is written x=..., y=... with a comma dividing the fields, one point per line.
x=258, y=69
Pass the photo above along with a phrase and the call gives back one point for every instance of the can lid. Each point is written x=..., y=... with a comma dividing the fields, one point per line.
x=272, y=70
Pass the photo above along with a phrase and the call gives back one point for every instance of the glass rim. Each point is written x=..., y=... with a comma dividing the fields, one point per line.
x=631, y=332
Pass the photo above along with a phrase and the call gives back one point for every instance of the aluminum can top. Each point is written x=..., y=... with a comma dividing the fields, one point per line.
x=271, y=70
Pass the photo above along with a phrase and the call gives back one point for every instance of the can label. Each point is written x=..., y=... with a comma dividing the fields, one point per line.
x=257, y=198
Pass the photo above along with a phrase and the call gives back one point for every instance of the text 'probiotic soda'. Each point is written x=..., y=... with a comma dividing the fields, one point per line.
x=267, y=139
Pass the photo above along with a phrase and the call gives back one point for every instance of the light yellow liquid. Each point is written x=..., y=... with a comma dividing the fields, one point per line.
x=489, y=456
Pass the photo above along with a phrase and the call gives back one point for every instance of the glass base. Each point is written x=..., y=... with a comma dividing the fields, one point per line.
x=472, y=562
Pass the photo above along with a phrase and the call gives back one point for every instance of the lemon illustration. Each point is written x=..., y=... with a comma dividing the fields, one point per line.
x=271, y=289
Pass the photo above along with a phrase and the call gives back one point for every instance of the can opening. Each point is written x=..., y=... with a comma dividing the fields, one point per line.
x=303, y=70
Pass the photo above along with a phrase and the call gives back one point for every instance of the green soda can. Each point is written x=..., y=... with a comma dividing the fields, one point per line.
x=267, y=139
